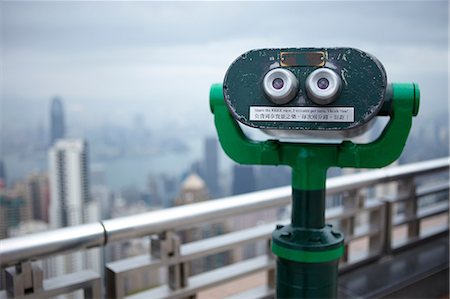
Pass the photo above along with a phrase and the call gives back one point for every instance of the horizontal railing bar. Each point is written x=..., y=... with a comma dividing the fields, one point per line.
x=415, y=241
x=436, y=188
x=225, y=242
x=422, y=192
x=428, y=212
x=69, y=283
x=433, y=210
x=38, y=245
x=196, y=249
x=368, y=178
x=158, y=221
x=63, y=240
x=183, y=216
x=210, y=278
x=228, y=241
x=131, y=264
x=362, y=233
x=63, y=284
x=341, y=213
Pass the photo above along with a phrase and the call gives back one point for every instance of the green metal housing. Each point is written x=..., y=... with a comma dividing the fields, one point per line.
x=363, y=78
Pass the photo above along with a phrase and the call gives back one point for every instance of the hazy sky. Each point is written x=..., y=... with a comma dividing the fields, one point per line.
x=112, y=60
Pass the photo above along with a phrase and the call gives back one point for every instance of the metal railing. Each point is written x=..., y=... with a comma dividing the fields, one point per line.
x=361, y=215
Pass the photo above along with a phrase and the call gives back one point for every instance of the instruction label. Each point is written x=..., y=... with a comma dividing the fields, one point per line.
x=308, y=114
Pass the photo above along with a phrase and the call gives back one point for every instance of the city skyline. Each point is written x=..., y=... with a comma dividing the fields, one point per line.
x=110, y=157
x=101, y=84
x=107, y=75
x=113, y=68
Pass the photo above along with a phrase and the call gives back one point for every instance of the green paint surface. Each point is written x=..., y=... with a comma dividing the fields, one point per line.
x=307, y=256
x=310, y=162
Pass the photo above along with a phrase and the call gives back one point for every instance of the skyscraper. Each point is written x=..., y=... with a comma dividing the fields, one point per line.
x=13, y=210
x=2, y=175
x=70, y=202
x=211, y=167
x=38, y=195
x=244, y=180
x=68, y=175
x=57, y=123
x=272, y=177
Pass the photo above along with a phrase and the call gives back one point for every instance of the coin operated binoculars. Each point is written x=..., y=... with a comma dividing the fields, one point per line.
x=327, y=97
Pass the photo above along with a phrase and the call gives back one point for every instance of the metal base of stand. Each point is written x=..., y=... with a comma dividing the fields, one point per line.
x=306, y=280
x=307, y=261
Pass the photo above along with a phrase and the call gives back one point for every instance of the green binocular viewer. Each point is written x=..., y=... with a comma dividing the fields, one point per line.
x=333, y=93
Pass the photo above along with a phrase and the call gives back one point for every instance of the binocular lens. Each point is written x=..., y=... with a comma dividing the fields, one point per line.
x=323, y=86
x=323, y=83
x=278, y=83
x=280, y=86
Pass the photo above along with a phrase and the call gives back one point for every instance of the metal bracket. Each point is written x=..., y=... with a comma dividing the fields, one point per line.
x=23, y=279
x=167, y=246
x=26, y=280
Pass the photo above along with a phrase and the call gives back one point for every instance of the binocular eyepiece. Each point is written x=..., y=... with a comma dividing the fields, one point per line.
x=312, y=89
x=280, y=85
x=323, y=86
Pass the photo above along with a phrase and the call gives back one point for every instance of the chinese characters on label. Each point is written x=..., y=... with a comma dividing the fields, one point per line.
x=308, y=114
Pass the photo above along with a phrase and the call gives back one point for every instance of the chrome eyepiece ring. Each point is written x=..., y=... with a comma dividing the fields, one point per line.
x=323, y=86
x=280, y=86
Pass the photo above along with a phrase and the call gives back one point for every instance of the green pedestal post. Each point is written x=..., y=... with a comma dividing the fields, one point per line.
x=308, y=250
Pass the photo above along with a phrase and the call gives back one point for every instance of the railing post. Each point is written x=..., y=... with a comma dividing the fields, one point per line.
x=270, y=274
x=387, y=235
x=376, y=218
x=115, y=287
x=169, y=249
x=352, y=201
x=24, y=279
x=407, y=187
x=94, y=291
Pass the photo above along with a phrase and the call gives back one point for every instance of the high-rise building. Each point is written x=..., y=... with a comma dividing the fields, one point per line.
x=69, y=184
x=57, y=122
x=154, y=191
x=211, y=167
x=70, y=202
x=26, y=209
x=15, y=208
x=244, y=180
x=26, y=201
x=11, y=213
x=273, y=177
x=2, y=175
x=38, y=195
